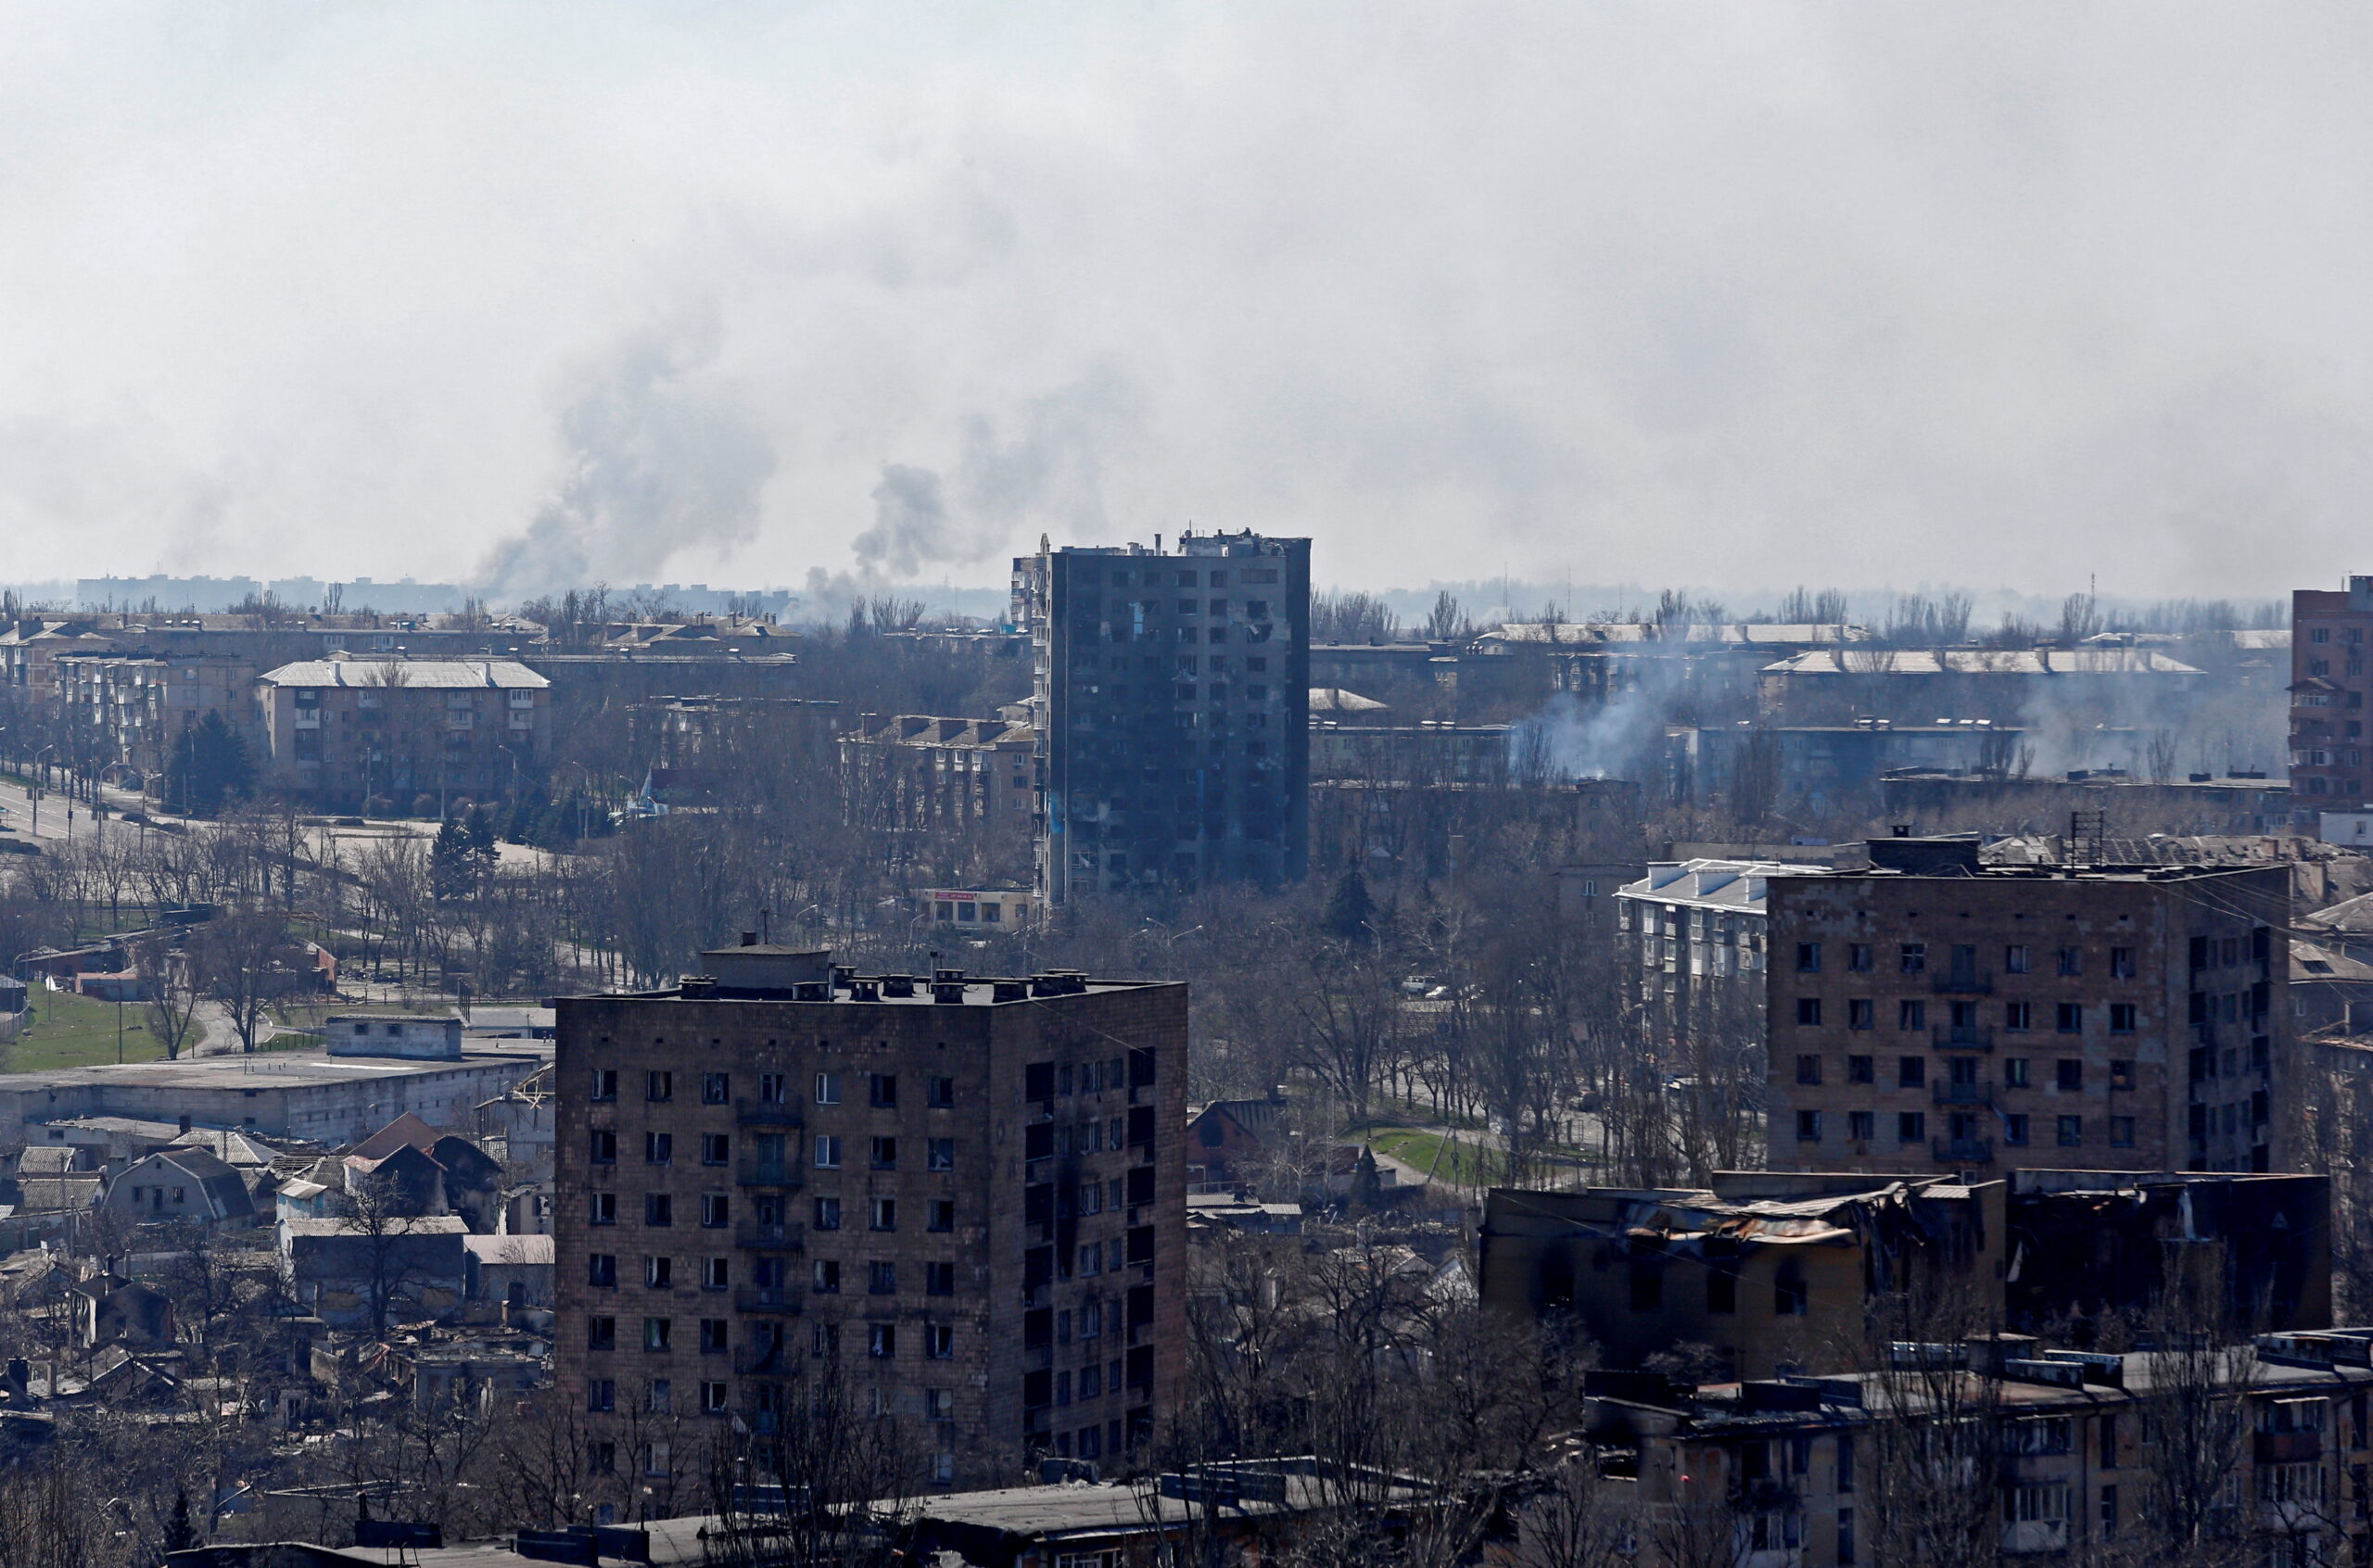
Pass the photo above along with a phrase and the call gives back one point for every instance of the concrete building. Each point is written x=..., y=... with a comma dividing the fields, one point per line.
x=1172, y=693
x=989, y=909
x=1919, y=685
x=2328, y=682
x=968, y=1195
x=941, y=775
x=1936, y=1008
x=132, y=707
x=342, y=730
x=414, y=1037
x=301, y=1094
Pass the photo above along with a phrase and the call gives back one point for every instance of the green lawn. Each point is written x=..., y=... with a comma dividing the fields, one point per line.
x=1459, y=1163
x=69, y=1031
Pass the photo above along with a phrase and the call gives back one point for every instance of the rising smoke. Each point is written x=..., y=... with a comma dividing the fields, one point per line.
x=660, y=459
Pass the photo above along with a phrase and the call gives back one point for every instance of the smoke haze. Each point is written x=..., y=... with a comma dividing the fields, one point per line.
x=1844, y=293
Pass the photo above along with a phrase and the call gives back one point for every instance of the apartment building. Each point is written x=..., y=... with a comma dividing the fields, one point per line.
x=2328, y=683
x=126, y=710
x=961, y=1199
x=1172, y=696
x=341, y=730
x=1986, y=1017
x=942, y=773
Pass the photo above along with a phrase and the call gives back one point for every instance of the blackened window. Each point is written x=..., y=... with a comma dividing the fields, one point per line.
x=657, y=1086
x=717, y=1088
x=1858, y=1070
x=658, y=1208
x=882, y=1090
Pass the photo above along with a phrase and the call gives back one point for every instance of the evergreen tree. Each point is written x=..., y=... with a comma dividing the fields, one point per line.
x=452, y=865
x=207, y=769
x=1351, y=912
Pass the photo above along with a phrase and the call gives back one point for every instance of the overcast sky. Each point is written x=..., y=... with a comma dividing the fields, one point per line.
x=1721, y=295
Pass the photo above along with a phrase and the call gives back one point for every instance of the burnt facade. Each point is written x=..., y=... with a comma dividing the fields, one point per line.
x=1935, y=1010
x=1173, y=704
x=960, y=1201
x=2328, y=687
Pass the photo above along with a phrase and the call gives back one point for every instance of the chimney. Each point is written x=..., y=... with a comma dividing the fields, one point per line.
x=185, y=1122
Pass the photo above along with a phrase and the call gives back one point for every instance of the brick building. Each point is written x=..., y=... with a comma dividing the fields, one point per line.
x=941, y=775
x=2328, y=630
x=1936, y=1008
x=1172, y=695
x=341, y=730
x=963, y=1200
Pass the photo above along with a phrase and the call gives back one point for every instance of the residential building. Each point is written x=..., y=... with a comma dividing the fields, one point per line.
x=2328, y=682
x=1172, y=696
x=342, y=730
x=135, y=706
x=1940, y=1009
x=182, y=1184
x=941, y=775
x=963, y=1196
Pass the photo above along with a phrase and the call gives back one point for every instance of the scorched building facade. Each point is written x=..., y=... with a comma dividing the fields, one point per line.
x=961, y=1201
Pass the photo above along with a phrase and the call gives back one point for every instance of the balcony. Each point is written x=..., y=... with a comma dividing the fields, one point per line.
x=774, y=1235
x=766, y=1113
x=767, y=1174
x=1963, y=1037
x=2289, y=1447
x=1963, y=1151
x=766, y=1298
x=1964, y=1094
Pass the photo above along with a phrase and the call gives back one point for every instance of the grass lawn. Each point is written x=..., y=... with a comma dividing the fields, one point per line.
x=70, y=1030
x=1461, y=1164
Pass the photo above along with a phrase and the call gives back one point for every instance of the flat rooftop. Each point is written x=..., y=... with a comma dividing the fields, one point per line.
x=918, y=991
x=272, y=1069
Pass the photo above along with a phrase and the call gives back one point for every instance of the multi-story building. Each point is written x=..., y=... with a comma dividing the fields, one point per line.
x=961, y=1199
x=132, y=707
x=1936, y=1008
x=341, y=730
x=2328, y=683
x=1172, y=700
x=941, y=775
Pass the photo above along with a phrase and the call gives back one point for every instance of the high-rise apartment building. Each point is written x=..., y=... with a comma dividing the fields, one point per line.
x=2328, y=696
x=1172, y=701
x=959, y=1200
x=1938, y=1013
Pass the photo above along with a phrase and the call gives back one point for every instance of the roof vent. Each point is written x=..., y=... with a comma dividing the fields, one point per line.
x=897, y=985
x=948, y=990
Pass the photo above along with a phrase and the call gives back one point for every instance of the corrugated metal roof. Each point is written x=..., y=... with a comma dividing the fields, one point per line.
x=442, y=674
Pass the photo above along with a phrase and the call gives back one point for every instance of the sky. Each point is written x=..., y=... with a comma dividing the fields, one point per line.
x=1724, y=295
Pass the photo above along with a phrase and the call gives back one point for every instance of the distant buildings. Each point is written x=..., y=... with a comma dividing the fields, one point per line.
x=1172, y=700
x=944, y=775
x=2328, y=695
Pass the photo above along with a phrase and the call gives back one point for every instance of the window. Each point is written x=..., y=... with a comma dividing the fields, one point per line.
x=1910, y=1127
x=2072, y=1132
x=2035, y=1504
x=939, y=1279
x=827, y=1214
x=2070, y=1017
x=601, y=1268
x=881, y=1279
x=601, y=1209
x=601, y=1395
x=660, y=1397
x=658, y=1208
x=2106, y=1430
x=716, y=1088
x=2070, y=1076
x=601, y=1334
x=1862, y=1126
x=886, y=1153
x=657, y=1332
x=2121, y=963
x=1911, y=1016
x=604, y=1148
x=658, y=1148
x=1788, y=1291
x=827, y=1275
x=827, y=1088
x=714, y=1273
x=1809, y=1127
x=605, y=1083
x=882, y=1090
x=1721, y=1288
x=2015, y=1072
x=1809, y=1070
x=2018, y=1017
x=713, y=1335
x=2014, y=1127
x=881, y=1341
x=658, y=1086
x=2123, y=1017
x=2121, y=1075
x=1809, y=957
x=828, y=1152
x=940, y=1154
x=713, y=1398
x=774, y=1088
x=659, y=1274
x=1912, y=1072
x=1858, y=1070
x=2018, y=959
x=2121, y=1132
x=939, y=1093
x=1809, y=1012
x=1861, y=1013
x=885, y=1214
x=2072, y=961
x=939, y=1341
x=1858, y=957
x=940, y=1215
x=716, y=1149
x=1915, y=957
